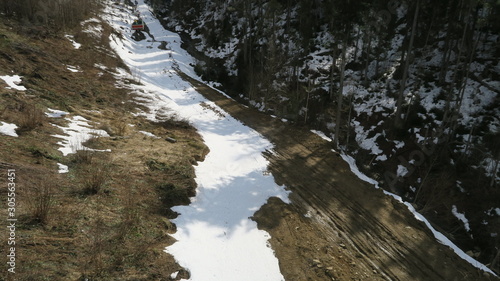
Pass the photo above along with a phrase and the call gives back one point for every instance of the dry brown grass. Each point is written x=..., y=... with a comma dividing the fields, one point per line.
x=103, y=220
x=41, y=200
x=120, y=127
x=35, y=194
x=94, y=176
x=83, y=156
x=30, y=117
x=96, y=242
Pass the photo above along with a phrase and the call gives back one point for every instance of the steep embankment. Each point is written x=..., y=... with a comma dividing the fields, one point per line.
x=93, y=179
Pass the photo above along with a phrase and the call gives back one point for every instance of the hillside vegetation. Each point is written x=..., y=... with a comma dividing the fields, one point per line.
x=409, y=88
x=96, y=206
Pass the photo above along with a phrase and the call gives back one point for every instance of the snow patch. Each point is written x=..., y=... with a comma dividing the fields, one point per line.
x=362, y=139
x=76, y=133
x=63, y=169
x=92, y=27
x=71, y=39
x=13, y=82
x=459, y=185
x=8, y=129
x=233, y=182
x=73, y=68
x=54, y=113
x=149, y=134
x=399, y=144
x=356, y=171
x=491, y=168
x=402, y=171
x=322, y=135
x=461, y=217
x=494, y=211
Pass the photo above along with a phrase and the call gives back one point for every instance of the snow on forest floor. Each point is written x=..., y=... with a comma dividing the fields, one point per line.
x=216, y=239
x=438, y=235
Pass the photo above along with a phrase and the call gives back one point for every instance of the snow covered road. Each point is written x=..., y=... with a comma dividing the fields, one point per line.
x=216, y=238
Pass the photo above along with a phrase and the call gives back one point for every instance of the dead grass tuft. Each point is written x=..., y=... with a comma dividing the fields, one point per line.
x=173, y=120
x=82, y=157
x=172, y=195
x=41, y=199
x=30, y=117
x=39, y=192
x=95, y=174
x=120, y=127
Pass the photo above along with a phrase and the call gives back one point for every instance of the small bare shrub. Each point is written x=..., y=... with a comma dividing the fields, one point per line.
x=92, y=142
x=40, y=199
x=120, y=127
x=30, y=117
x=84, y=156
x=115, y=127
x=96, y=244
x=95, y=176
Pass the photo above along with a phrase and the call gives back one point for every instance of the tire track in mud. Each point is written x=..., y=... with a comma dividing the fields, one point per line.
x=330, y=208
x=384, y=240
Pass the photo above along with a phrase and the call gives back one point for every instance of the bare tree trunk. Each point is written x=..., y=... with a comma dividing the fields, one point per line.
x=341, y=89
x=398, y=122
x=469, y=141
x=367, y=63
x=494, y=171
x=351, y=97
x=447, y=50
x=445, y=59
x=466, y=68
x=309, y=89
x=332, y=71
x=356, y=47
x=430, y=27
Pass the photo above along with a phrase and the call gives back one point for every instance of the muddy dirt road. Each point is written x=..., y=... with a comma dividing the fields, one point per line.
x=337, y=226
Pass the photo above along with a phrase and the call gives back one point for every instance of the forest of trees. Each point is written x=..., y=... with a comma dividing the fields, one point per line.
x=275, y=40
x=318, y=62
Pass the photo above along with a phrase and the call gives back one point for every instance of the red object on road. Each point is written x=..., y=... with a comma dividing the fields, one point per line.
x=138, y=25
